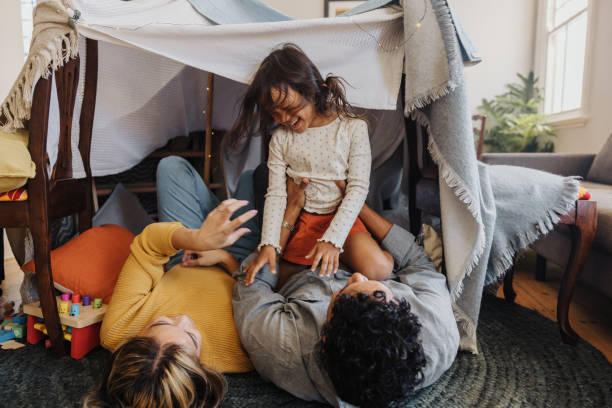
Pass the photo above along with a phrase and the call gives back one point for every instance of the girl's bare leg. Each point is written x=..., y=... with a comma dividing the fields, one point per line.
x=363, y=254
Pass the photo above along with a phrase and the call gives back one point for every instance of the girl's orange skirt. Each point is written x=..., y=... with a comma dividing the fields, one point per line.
x=308, y=229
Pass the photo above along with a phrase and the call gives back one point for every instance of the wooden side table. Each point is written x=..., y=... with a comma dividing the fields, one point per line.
x=582, y=220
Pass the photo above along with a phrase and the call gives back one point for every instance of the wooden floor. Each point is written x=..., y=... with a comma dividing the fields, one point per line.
x=590, y=312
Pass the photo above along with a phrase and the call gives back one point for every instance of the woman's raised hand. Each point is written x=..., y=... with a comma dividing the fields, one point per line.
x=218, y=230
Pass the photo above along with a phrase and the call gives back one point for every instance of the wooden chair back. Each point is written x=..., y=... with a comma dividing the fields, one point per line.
x=60, y=195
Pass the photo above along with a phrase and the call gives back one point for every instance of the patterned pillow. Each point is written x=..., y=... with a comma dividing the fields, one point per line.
x=19, y=194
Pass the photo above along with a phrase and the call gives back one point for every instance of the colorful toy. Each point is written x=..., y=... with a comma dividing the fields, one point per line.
x=64, y=307
x=86, y=300
x=14, y=325
x=18, y=331
x=76, y=298
x=583, y=193
x=75, y=309
x=6, y=335
x=97, y=303
x=65, y=297
x=81, y=330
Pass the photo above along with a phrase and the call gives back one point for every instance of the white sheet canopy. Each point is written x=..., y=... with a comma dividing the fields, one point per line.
x=154, y=57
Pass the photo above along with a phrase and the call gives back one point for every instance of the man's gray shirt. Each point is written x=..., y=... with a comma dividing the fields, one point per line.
x=281, y=330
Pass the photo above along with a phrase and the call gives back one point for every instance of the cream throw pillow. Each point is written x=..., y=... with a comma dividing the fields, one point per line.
x=16, y=164
x=432, y=244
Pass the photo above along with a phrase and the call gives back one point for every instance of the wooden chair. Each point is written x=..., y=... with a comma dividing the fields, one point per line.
x=479, y=129
x=60, y=195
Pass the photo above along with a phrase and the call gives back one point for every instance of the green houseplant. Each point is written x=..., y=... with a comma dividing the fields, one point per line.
x=516, y=125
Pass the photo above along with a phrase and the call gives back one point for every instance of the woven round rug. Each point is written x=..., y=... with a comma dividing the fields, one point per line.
x=522, y=363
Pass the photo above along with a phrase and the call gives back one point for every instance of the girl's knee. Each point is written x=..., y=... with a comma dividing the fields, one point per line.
x=379, y=267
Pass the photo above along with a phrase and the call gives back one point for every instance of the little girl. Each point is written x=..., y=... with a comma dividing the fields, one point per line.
x=321, y=139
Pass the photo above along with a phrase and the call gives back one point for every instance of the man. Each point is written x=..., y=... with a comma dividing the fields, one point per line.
x=345, y=339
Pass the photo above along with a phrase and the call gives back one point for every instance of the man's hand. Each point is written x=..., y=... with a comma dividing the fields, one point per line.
x=203, y=258
x=218, y=230
x=267, y=255
x=295, y=193
x=328, y=255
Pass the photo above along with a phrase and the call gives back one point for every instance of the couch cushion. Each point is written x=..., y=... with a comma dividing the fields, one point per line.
x=601, y=170
x=602, y=193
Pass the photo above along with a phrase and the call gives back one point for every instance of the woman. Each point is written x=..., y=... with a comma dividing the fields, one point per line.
x=171, y=359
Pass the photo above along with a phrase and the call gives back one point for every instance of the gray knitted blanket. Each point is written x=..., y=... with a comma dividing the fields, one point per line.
x=488, y=212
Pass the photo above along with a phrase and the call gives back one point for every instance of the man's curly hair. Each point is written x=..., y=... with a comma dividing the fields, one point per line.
x=371, y=351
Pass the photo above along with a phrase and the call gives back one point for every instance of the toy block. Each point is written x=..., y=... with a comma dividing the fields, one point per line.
x=33, y=336
x=82, y=329
x=6, y=335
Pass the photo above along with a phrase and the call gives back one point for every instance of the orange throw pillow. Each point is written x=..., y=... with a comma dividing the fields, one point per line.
x=90, y=263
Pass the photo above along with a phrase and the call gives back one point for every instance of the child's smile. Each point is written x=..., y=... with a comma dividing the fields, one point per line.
x=295, y=112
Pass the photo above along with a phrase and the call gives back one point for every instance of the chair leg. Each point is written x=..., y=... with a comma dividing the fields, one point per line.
x=583, y=234
x=2, y=255
x=46, y=291
x=540, y=268
x=509, y=293
x=85, y=219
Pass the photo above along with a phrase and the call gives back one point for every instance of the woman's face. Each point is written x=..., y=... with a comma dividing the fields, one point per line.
x=177, y=330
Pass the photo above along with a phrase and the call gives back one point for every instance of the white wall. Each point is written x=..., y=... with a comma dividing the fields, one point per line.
x=300, y=9
x=11, y=46
x=503, y=31
x=591, y=137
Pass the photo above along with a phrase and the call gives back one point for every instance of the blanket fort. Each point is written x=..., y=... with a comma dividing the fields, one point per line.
x=153, y=62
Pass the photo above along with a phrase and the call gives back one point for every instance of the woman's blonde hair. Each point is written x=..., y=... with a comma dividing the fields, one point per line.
x=142, y=373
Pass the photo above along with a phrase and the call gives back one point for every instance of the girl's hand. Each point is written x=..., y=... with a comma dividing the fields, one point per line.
x=267, y=255
x=328, y=255
x=218, y=230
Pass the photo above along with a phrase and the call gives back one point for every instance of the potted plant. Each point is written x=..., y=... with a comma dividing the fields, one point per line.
x=516, y=125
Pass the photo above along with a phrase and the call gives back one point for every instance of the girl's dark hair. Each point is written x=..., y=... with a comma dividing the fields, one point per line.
x=287, y=67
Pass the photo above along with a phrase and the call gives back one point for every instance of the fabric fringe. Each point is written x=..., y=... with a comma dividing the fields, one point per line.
x=449, y=35
x=521, y=241
x=44, y=59
x=433, y=95
x=456, y=184
x=467, y=330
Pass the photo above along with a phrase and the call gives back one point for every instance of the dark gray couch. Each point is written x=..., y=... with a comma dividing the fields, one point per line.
x=596, y=171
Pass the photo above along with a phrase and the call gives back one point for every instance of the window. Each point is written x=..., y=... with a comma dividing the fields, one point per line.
x=27, y=24
x=562, y=52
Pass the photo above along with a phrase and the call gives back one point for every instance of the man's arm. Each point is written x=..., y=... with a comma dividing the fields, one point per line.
x=266, y=323
x=377, y=225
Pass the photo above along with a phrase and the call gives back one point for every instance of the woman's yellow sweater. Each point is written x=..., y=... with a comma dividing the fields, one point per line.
x=144, y=291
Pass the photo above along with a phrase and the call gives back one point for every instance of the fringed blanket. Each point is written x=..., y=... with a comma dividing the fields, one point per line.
x=54, y=41
x=488, y=212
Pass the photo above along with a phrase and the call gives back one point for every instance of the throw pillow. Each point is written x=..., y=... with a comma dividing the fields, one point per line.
x=601, y=169
x=90, y=263
x=16, y=164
